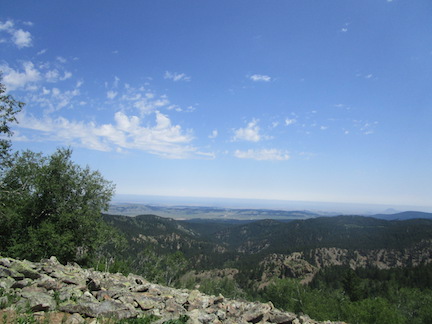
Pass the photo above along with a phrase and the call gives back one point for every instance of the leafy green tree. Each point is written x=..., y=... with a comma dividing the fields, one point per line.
x=9, y=107
x=52, y=206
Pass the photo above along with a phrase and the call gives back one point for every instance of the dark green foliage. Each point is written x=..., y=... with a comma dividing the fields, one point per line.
x=351, y=285
x=142, y=320
x=9, y=108
x=181, y=320
x=395, y=295
x=52, y=207
x=350, y=232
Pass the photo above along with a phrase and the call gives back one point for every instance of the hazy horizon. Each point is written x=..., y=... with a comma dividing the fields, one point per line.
x=242, y=203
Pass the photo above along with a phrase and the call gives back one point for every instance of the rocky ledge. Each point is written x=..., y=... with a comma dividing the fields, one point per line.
x=77, y=295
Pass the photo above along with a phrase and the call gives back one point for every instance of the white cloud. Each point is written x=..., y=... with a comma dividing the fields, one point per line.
x=14, y=79
x=126, y=132
x=19, y=37
x=22, y=38
x=289, y=121
x=7, y=26
x=263, y=155
x=61, y=59
x=176, y=76
x=148, y=104
x=52, y=99
x=260, y=77
x=111, y=94
x=66, y=75
x=52, y=75
x=249, y=133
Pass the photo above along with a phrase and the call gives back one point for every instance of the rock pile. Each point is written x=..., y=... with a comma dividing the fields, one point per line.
x=83, y=295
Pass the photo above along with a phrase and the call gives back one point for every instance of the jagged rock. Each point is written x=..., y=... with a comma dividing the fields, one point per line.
x=93, y=284
x=6, y=283
x=9, y=272
x=26, y=268
x=74, y=319
x=196, y=316
x=85, y=293
x=5, y=262
x=281, y=318
x=107, y=308
x=21, y=283
x=146, y=302
x=36, y=301
x=258, y=313
x=49, y=284
x=140, y=288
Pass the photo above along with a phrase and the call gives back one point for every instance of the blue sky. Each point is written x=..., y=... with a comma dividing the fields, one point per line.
x=294, y=100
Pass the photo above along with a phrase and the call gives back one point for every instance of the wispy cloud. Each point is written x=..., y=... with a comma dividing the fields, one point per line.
x=262, y=155
x=289, y=121
x=19, y=37
x=176, y=76
x=111, y=94
x=344, y=29
x=53, y=99
x=214, y=134
x=250, y=133
x=260, y=77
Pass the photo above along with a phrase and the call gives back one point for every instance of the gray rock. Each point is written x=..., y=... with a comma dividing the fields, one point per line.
x=10, y=272
x=21, y=283
x=140, y=288
x=5, y=272
x=93, y=284
x=5, y=262
x=26, y=268
x=6, y=283
x=36, y=301
x=107, y=308
x=75, y=319
x=88, y=293
x=147, y=302
x=281, y=318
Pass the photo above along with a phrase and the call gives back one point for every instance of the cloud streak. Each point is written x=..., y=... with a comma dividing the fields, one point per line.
x=262, y=155
x=260, y=78
x=174, y=76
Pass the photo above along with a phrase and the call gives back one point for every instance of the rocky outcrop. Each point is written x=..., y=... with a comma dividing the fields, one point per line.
x=305, y=266
x=76, y=295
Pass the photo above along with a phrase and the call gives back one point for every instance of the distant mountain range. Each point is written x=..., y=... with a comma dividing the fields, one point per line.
x=229, y=214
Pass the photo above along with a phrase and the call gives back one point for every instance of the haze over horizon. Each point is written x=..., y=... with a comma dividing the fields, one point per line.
x=266, y=100
x=320, y=207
